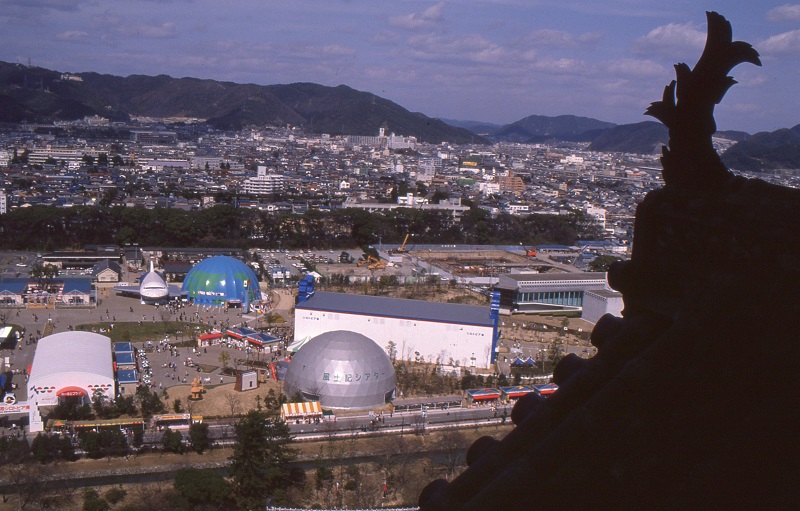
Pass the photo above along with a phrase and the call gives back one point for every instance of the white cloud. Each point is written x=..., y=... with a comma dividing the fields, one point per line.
x=560, y=39
x=562, y=66
x=337, y=50
x=632, y=68
x=72, y=35
x=472, y=48
x=782, y=44
x=787, y=13
x=429, y=18
x=163, y=31
x=677, y=41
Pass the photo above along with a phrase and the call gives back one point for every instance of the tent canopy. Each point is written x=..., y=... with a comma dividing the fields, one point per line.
x=306, y=410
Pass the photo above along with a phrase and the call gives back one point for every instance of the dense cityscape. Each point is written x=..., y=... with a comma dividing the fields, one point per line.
x=284, y=170
x=471, y=217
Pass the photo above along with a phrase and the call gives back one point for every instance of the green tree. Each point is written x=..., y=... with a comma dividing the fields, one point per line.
x=224, y=359
x=103, y=443
x=93, y=502
x=260, y=461
x=115, y=495
x=149, y=402
x=172, y=441
x=198, y=437
x=602, y=263
x=46, y=448
x=201, y=486
x=41, y=450
x=44, y=274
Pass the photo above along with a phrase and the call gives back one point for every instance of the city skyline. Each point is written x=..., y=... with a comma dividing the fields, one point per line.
x=483, y=60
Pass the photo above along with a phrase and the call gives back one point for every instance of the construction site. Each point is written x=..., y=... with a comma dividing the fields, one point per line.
x=467, y=264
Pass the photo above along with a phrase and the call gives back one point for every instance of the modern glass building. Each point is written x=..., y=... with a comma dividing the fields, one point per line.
x=529, y=292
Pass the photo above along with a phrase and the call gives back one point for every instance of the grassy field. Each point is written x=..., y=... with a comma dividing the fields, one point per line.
x=144, y=331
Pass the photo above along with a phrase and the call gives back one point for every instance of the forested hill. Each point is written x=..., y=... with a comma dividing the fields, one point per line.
x=42, y=95
x=766, y=151
x=43, y=228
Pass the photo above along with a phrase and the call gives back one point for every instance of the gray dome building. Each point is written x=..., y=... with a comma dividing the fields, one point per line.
x=341, y=369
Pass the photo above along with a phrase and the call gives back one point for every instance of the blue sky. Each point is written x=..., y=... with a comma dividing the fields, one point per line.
x=487, y=60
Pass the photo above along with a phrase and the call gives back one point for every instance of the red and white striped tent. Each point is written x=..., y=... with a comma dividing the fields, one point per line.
x=307, y=410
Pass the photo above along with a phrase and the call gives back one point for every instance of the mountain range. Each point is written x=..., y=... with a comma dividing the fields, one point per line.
x=40, y=95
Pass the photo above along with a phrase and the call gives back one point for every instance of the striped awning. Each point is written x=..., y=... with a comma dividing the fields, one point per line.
x=301, y=410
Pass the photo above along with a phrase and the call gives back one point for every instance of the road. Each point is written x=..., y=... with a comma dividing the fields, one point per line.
x=443, y=414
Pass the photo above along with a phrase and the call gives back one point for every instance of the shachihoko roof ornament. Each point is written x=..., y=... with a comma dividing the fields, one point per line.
x=687, y=109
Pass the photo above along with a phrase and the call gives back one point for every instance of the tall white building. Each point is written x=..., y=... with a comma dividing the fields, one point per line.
x=264, y=183
x=599, y=215
x=3, y=203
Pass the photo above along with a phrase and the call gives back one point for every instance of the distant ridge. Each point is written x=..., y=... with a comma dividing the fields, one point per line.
x=766, y=151
x=477, y=127
x=41, y=95
x=644, y=137
x=538, y=128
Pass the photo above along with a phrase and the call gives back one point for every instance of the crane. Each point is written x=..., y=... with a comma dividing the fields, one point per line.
x=402, y=248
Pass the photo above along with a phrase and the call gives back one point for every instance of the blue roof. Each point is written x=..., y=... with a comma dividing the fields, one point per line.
x=81, y=285
x=121, y=347
x=398, y=308
x=249, y=334
x=125, y=358
x=516, y=390
x=127, y=376
x=16, y=286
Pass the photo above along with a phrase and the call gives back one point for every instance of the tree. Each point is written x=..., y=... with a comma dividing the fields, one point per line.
x=602, y=263
x=172, y=441
x=391, y=350
x=92, y=501
x=149, y=402
x=198, y=437
x=234, y=403
x=101, y=405
x=103, y=443
x=40, y=448
x=224, y=359
x=44, y=274
x=260, y=461
x=201, y=486
x=115, y=495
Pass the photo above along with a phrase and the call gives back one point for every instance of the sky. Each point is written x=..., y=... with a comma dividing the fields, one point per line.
x=482, y=60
